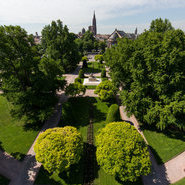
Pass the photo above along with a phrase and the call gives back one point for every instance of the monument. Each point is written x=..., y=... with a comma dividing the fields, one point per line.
x=92, y=80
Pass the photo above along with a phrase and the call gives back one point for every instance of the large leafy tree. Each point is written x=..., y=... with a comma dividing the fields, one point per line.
x=106, y=90
x=58, y=148
x=160, y=25
x=122, y=152
x=151, y=71
x=59, y=44
x=29, y=82
x=88, y=43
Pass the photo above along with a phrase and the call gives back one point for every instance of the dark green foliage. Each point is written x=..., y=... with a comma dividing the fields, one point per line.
x=78, y=80
x=4, y=181
x=122, y=152
x=59, y=44
x=81, y=73
x=102, y=46
x=29, y=82
x=103, y=73
x=113, y=114
x=151, y=71
x=84, y=60
x=88, y=43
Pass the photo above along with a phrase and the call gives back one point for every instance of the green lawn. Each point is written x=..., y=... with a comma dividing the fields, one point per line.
x=75, y=112
x=181, y=182
x=94, y=67
x=100, y=113
x=165, y=145
x=14, y=138
x=4, y=181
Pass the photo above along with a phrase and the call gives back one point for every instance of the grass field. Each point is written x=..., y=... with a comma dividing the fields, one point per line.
x=94, y=67
x=100, y=113
x=4, y=181
x=14, y=138
x=165, y=145
x=75, y=112
x=181, y=182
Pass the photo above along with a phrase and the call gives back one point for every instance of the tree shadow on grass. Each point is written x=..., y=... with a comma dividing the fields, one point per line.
x=1, y=147
x=33, y=126
x=174, y=134
x=137, y=182
x=19, y=156
x=75, y=112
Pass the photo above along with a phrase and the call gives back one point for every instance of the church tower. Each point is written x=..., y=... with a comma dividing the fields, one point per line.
x=94, y=24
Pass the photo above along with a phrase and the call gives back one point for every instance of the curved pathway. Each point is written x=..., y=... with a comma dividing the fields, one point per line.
x=165, y=174
x=25, y=173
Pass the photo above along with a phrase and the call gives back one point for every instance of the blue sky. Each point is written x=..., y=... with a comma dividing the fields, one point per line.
x=121, y=14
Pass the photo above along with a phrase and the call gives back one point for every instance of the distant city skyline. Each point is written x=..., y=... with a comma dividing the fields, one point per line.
x=124, y=15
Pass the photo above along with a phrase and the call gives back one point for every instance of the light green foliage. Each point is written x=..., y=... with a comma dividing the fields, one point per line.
x=75, y=89
x=105, y=90
x=78, y=80
x=99, y=58
x=122, y=152
x=151, y=70
x=58, y=148
x=81, y=73
x=113, y=113
x=84, y=58
x=59, y=44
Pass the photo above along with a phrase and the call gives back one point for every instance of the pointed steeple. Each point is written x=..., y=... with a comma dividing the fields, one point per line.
x=136, y=31
x=94, y=24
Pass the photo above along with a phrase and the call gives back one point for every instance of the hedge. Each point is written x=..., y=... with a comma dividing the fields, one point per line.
x=113, y=114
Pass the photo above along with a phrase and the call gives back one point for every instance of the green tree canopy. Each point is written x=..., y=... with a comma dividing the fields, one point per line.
x=58, y=148
x=88, y=43
x=160, y=25
x=59, y=44
x=99, y=58
x=75, y=89
x=122, y=152
x=106, y=90
x=29, y=82
x=151, y=71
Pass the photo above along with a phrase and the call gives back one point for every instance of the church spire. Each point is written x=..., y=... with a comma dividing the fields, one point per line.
x=94, y=24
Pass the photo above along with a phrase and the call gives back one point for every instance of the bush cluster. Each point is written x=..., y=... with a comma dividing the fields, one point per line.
x=58, y=148
x=122, y=152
